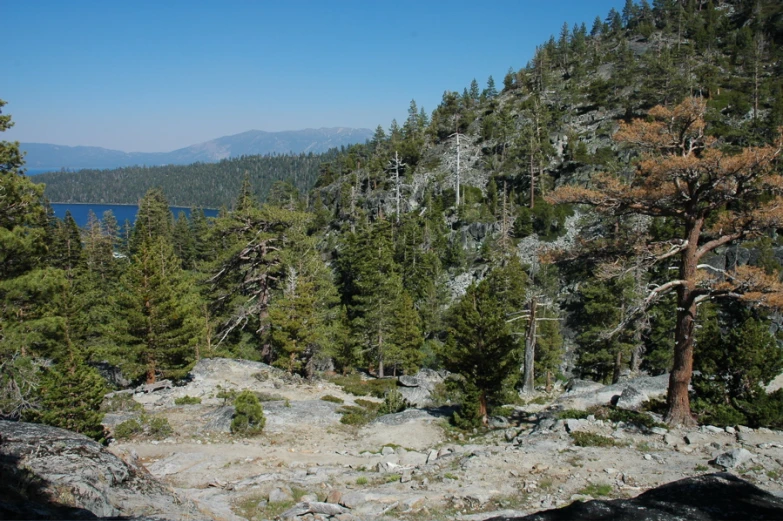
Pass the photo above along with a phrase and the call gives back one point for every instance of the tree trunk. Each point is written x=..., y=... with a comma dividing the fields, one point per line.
x=678, y=406
x=529, y=386
x=618, y=367
x=483, y=408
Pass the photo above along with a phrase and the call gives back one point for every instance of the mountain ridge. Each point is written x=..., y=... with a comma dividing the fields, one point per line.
x=250, y=142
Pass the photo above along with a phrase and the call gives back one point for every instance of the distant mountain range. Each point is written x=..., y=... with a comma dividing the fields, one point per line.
x=252, y=142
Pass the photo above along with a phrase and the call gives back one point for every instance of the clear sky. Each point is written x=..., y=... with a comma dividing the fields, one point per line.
x=156, y=75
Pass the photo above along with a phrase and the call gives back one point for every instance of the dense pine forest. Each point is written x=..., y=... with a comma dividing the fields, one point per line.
x=612, y=208
x=202, y=185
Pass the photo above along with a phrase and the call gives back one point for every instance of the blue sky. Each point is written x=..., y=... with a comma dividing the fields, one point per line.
x=159, y=75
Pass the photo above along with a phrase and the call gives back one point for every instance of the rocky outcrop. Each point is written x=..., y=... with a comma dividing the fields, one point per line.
x=583, y=394
x=718, y=496
x=52, y=473
x=417, y=389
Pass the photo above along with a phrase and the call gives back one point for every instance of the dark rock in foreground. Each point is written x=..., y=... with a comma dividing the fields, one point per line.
x=712, y=497
x=51, y=473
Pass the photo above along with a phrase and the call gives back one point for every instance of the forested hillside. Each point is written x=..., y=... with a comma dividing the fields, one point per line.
x=609, y=209
x=204, y=185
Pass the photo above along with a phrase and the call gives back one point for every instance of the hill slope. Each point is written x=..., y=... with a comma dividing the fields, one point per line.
x=252, y=142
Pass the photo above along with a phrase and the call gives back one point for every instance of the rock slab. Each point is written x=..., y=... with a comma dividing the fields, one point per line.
x=73, y=477
x=711, y=497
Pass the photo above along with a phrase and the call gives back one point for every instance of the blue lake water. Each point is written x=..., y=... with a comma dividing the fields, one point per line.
x=122, y=212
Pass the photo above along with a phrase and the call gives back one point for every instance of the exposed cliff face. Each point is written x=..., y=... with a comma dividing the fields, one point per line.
x=51, y=473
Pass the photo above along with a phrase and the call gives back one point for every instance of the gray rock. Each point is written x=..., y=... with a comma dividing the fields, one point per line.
x=672, y=440
x=697, y=438
x=386, y=451
x=219, y=419
x=734, y=458
x=498, y=422
x=659, y=430
x=83, y=475
x=153, y=387
x=432, y=456
x=280, y=494
x=353, y=499
x=711, y=497
x=313, y=507
x=713, y=429
x=584, y=394
x=417, y=389
x=731, y=430
x=573, y=425
x=386, y=467
x=413, y=459
x=408, y=381
x=631, y=399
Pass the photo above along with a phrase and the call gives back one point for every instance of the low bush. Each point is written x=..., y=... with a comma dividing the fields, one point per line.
x=360, y=414
x=589, y=439
x=120, y=402
x=333, y=399
x=187, y=400
x=248, y=416
x=159, y=428
x=127, y=429
x=572, y=414
x=393, y=402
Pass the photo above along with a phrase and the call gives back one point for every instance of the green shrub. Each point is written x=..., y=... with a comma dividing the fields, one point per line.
x=187, y=400
x=572, y=414
x=589, y=439
x=227, y=395
x=391, y=478
x=360, y=414
x=127, y=429
x=361, y=480
x=248, y=416
x=159, y=428
x=333, y=399
x=393, y=402
x=120, y=402
x=633, y=417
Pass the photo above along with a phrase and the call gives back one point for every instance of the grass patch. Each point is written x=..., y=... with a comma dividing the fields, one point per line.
x=449, y=475
x=354, y=384
x=361, y=480
x=545, y=484
x=644, y=447
x=701, y=468
x=187, y=400
x=391, y=478
x=596, y=490
x=333, y=399
x=589, y=439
